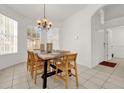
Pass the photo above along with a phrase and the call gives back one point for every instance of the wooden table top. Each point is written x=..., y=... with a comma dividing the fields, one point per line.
x=54, y=54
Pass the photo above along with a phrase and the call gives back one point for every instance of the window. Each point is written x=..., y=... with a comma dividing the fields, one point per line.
x=53, y=37
x=33, y=38
x=8, y=35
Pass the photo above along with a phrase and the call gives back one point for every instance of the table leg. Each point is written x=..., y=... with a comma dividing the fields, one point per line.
x=45, y=75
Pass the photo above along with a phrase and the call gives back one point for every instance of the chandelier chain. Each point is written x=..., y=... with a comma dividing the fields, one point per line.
x=44, y=11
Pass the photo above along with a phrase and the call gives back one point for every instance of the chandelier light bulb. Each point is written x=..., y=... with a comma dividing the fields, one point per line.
x=38, y=22
x=44, y=23
x=50, y=24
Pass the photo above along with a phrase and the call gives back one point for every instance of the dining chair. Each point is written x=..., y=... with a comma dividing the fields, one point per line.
x=49, y=49
x=29, y=60
x=42, y=47
x=67, y=64
x=36, y=49
x=36, y=65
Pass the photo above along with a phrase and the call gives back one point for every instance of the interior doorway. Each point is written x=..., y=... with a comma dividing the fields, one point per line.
x=108, y=24
x=116, y=42
x=98, y=46
x=108, y=45
x=102, y=46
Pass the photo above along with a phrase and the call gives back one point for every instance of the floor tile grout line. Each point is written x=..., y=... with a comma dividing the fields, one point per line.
x=89, y=79
x=101, y=79
x=86, y=73
x=110, y=75
x=114, y=71
x=69, y=88
x=13, y=76
x=27, y=80
x=92, y=75
x=85, y=69
x=80, y=84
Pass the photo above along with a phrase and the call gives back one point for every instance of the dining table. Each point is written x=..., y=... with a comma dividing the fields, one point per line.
x=46, y=57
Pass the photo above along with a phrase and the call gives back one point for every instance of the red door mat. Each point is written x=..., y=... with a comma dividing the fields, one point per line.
x=109, y=64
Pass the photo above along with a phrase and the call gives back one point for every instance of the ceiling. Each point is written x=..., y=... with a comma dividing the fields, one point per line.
x=55, y=12
x=113, y=11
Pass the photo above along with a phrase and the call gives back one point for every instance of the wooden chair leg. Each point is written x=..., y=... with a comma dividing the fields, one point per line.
x=49, y=66
x=29, y=68
x=35, y=76
x=27, y=65
x=66, y=76
x=76, y=75
x=32, y=73
x=56, y=73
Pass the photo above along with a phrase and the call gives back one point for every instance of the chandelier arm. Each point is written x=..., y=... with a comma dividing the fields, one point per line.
x=44, y=23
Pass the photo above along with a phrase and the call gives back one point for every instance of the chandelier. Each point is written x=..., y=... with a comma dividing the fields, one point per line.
x=44, y=23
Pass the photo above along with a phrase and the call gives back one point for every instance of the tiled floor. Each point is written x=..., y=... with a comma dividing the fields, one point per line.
x=16, y=77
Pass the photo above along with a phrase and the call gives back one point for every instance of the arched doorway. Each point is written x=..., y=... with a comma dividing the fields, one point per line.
x=104, y=44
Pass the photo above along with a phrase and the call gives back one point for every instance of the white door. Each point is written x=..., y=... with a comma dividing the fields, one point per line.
x=99, y=49
x=108, y=48
x=105, y=45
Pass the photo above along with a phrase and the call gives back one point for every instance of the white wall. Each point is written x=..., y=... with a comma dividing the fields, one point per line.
x=113, y=11
x=97, y=37
x=118, y=41
x=76, y=34
x=11, y=59
x=114, y=22
x=53, y=37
